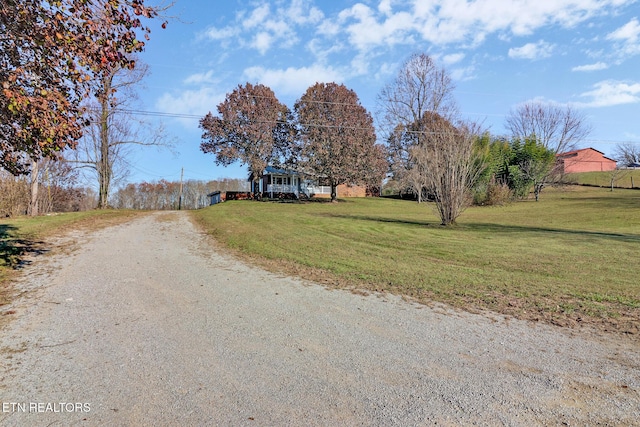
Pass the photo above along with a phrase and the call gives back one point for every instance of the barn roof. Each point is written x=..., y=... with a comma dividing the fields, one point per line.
x=575, y=152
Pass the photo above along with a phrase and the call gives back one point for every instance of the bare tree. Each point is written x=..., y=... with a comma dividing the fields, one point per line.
x=449, y=163
x=14, y=194
x=557, y=128
x=407, y=171
x=420, y=87
x=112, y=131
x=627, y=152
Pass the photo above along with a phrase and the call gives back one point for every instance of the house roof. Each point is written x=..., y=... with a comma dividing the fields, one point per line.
x=575, y=153
x=272, y=170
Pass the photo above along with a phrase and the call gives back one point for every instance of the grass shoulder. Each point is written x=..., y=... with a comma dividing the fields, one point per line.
x=569, y=259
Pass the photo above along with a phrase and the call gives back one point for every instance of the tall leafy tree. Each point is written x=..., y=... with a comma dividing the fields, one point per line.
x=49, y=51
x=337, y=137
x=253, y=127
x=530, y=164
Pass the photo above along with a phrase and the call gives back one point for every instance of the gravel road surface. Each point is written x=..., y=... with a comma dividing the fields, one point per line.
x=148, y=323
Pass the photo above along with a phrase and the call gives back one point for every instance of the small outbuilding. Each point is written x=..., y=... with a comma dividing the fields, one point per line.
x=214, y=198
x=584, y=160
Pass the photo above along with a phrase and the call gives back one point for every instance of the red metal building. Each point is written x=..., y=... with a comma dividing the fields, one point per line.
x=585, y=160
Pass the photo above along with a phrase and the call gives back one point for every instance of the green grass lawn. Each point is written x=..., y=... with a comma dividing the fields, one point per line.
x=573, y=256
x=22, y=236
x=624, y=178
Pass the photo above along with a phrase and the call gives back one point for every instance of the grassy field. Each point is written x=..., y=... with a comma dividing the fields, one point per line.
x=624, y=178
x=24, y=236
x=573, y=257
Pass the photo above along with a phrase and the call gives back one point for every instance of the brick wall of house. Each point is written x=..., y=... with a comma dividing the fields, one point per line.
x=586, y=160
x=351, y=191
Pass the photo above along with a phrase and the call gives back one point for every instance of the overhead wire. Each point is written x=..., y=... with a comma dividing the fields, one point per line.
x=198, y=117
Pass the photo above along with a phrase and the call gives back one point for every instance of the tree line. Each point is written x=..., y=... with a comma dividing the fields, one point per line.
x=172, y=195
x=60, y=187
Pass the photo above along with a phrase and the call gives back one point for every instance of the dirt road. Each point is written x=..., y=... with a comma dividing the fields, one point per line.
x=147, y=323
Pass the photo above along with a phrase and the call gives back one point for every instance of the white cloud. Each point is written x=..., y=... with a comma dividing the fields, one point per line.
x=262, y=28
x=611, y=92
x=293, y=81
x=452, y=58
x=257, y=17
x=627, y=39
x=372, y=27
x=302, y=13
x=190, y=103
x=468, y=22
x=532, y=51
x=199, y=78
x=385, y=7
x=220, y=34
x=262, y=42
x=450, y=21
x=591, y=67
x=629, y=33
x=463, y=74
x=361, y=25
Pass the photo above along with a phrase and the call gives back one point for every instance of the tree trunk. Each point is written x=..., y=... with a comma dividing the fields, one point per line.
x=537, y=188
x=334, y=192
x=33, y=203
x=104, y=168
x=257, y=194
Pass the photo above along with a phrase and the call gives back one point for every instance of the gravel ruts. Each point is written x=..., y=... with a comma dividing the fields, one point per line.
x=147, y=323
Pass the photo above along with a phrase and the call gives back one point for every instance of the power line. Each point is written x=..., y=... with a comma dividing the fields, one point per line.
x=199, y=117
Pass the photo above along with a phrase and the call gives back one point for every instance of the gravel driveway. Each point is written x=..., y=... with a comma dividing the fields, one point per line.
x=147, y=323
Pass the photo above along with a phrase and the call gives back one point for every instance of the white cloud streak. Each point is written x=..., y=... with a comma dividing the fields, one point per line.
x=591, y=67
x=609, y=93
x=190, y=102
x=293, y=81
x=264, y=27
x=392, y=22
x=627, y=39
x=629, y=33
x=532, y=51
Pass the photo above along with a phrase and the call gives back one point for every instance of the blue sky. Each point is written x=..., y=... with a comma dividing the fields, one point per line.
x=500, y=53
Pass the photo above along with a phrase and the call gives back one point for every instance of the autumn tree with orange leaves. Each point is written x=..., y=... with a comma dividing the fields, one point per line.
x=337, y=137
x=50, y=52
x=252, y=127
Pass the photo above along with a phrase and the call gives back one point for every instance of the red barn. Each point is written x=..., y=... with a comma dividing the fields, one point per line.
x=584, y=160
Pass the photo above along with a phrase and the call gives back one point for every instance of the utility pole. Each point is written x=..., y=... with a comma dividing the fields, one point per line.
x=180, y=199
